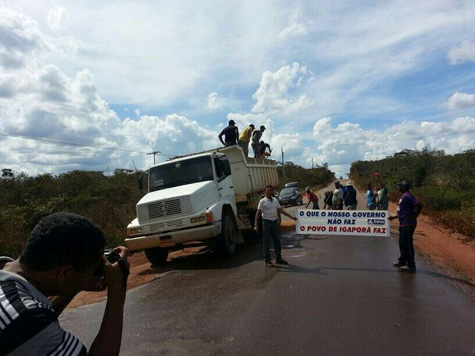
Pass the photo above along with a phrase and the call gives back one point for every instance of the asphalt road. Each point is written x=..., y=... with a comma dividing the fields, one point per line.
x=338, y=296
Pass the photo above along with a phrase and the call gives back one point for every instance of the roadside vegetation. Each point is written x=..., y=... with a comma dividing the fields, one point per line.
x=316, y=178
x=444, y=183
x=108, y=200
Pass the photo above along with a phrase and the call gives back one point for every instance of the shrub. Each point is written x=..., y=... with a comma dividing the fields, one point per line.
x=439, y=199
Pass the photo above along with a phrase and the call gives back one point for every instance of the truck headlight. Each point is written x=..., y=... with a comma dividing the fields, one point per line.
x=134, y=231
x=198, y=219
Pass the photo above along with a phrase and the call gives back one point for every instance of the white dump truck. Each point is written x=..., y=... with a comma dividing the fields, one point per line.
x=207, y=197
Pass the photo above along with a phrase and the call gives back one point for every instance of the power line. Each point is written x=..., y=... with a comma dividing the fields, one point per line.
x=77, y=144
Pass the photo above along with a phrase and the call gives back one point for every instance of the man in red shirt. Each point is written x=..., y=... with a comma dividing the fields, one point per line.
x=312, y=197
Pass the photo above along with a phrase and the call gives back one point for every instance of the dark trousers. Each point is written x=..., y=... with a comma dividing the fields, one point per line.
x=406, y=246
x=255, y=149
x=271, y=229
x=315, y=204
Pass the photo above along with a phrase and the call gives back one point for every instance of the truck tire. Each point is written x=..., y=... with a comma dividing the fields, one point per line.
x=226, y=240
x=157, y=256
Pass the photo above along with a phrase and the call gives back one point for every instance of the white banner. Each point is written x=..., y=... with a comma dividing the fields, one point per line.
x=343, y=222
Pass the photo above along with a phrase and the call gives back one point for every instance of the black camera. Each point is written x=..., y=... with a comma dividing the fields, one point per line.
x=113, y=257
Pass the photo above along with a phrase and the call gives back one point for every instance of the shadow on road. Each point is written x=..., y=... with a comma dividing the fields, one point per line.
x=319, y=270
x=207, y=259
x=204, y=258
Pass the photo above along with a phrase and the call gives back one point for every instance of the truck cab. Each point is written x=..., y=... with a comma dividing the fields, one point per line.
x=201, y=198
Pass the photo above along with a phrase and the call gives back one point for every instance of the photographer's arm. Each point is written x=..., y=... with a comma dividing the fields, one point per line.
x=108, y=340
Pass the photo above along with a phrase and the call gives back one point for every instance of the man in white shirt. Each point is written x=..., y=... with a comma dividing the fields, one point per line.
x=337, y=200
x=268, y=208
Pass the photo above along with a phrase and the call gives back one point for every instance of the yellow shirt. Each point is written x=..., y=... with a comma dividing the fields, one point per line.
x=245, y=135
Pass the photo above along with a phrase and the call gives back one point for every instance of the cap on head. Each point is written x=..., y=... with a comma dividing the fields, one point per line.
x=262, y=127
x=349, y=183
x=307, y=189
x=251, y=125
x=404, y=185
x=377, y=174
x=231, y=122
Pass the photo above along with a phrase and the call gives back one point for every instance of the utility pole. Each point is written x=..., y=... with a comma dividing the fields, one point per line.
x=153, y=153
x=283, y=163
x=312, y=162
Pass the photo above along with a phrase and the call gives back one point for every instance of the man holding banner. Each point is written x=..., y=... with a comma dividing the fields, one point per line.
x=408, y=209
x=268, y=208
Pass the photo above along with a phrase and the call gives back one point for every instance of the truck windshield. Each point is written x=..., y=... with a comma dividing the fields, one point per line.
x=174, y=174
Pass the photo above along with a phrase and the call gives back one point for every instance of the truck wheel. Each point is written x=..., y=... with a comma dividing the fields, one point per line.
x=157, y=256
x=226, y=244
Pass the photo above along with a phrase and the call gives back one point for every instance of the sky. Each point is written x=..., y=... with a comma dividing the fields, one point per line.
x=332, y=81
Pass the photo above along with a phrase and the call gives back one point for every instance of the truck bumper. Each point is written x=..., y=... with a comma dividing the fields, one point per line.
x=178, y=237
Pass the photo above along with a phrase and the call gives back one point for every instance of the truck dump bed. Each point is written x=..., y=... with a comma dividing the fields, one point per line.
x=250, y=175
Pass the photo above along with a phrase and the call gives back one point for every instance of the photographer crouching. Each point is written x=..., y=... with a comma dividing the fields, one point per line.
x=64, y=255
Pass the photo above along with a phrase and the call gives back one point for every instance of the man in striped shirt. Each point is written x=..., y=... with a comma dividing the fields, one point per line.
x=64, y=255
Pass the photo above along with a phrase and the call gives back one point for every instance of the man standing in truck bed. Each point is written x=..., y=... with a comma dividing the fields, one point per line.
x=268, y=208
x=245, y=138
x=256, y=139
x=231, y=134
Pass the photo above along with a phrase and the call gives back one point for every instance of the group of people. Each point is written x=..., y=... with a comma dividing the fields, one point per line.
x=377, y=198
x=248, y=135
x=409, y=208
x=342, y=197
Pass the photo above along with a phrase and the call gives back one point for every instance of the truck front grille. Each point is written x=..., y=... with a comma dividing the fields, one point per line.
x=164, y=209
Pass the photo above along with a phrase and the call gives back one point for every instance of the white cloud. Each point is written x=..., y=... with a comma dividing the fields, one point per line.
x=465, y=52
x=59, y=87
x=347, y=142
x=43, y=102
x=19, y=39
x=273, y=92
x=56, y=16
x=214, y=102
x=291, y=143
x=296, y=29
x=461, y=101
